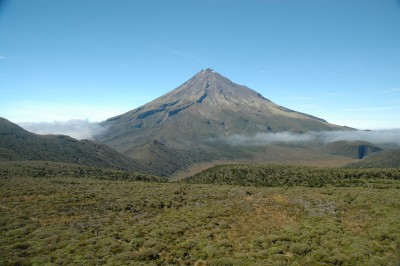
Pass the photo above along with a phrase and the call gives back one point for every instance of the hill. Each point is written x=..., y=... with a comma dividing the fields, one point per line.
x=353, y=149
x=383, y=159
x=162, y=159
x=19, y=144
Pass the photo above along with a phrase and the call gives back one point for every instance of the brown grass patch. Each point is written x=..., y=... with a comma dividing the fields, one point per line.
x=261, y=217
x=356, y=221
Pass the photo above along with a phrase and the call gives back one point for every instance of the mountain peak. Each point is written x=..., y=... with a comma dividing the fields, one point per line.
x=206, y=73
x=209, y=88
x=208, y=70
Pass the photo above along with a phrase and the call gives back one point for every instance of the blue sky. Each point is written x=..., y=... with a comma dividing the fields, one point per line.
x=93, y=59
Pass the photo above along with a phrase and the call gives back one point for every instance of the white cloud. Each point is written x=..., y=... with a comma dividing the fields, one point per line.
x=77, y=121
x=266, y=138
x=78, y=129
x=376, y=137
x=2, y=57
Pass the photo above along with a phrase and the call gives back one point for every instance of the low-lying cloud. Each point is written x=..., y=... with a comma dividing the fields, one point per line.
x=76, y=128
x=375, y=137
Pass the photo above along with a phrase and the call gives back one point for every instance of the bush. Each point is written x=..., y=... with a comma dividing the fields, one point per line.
x=137, y=243
x=299, y=248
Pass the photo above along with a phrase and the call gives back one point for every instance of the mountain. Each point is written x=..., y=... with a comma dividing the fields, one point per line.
x=19, y=144
x=206, y=107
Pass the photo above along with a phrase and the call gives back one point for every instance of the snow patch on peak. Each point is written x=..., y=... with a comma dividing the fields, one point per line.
x=209, y=70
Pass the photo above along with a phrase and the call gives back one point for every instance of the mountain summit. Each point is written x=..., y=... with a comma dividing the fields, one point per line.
x=208, y=88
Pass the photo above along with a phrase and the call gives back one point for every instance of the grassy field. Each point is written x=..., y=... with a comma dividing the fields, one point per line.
x=85, y=221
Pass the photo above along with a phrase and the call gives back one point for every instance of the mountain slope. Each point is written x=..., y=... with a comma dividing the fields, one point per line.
x=383, y=159
x=19, y=144
x=163, y=160
x=355, y=149
x=206, y=106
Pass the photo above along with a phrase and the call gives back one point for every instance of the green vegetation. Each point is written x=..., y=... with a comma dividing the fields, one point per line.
x=291, y=175
x=38, y=169
x=383, y=159
x=63, y=220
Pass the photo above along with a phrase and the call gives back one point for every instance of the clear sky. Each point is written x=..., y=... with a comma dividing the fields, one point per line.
x=93, y=59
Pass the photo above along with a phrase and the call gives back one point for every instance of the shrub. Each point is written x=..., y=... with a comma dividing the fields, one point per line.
x=299, y=248
x=147, y=254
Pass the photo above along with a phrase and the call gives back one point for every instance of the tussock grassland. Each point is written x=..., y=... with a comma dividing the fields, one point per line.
x=86, y=221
